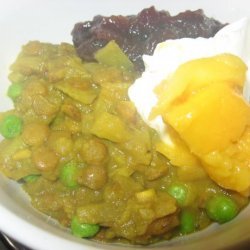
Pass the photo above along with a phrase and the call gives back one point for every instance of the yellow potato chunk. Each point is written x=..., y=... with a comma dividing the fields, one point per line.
x=211, y=119
x=230, y=168
x=204, y=105
x=188, y=165
x=174, y=148
x=194, y=75
x=110, y=127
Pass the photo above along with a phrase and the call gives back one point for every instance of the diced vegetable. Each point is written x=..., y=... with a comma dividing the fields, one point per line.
x=31, y=178
x=110, y=127
x=222, y=106
x=179, y=192
x=139, y=146
x=83, y=230
x=197, y=74
x=221, y=208
x=42, y=106
x=11, y=126
x=112, y=55
x=86, y=96
x=176, y=150
x=10, y=147
x=35, y=133
x=21, y=154
x=187, y=222
x=14, y=90
x=146, y=195
x=68, y=175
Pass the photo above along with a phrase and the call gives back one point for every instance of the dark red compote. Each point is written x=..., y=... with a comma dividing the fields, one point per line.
x=139, y=34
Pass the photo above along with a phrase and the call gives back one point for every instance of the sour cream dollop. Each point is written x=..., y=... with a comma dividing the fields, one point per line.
x=169, y=55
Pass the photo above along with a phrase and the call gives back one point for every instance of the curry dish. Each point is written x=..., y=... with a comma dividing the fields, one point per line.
x=85, y=157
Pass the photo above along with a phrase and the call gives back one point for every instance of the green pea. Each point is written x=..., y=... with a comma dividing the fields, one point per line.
x=83, y=230
x=187, y=222
x=11, y=126
x=179, y=192
x=68, y=175
x=221, y=208
x=14, y=90
x=31, y=178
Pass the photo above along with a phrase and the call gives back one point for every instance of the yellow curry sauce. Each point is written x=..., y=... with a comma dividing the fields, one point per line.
x=83, y=151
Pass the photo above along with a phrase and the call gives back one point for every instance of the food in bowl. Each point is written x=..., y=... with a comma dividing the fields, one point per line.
x=86, y=157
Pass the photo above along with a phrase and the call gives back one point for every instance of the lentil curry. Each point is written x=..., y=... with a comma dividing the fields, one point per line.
x=75, y=142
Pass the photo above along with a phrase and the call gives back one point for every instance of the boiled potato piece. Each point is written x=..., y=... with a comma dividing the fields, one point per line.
x=230, y=168
x=194, y=75
x=112, y=55
x=211, y=119
x=204, y=105
x=110, y=127
x=174, y=148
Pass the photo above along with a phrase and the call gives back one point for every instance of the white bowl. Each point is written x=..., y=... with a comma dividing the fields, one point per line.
x=52, y=21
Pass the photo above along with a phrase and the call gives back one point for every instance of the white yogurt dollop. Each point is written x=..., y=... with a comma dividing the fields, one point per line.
x=169, y=55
